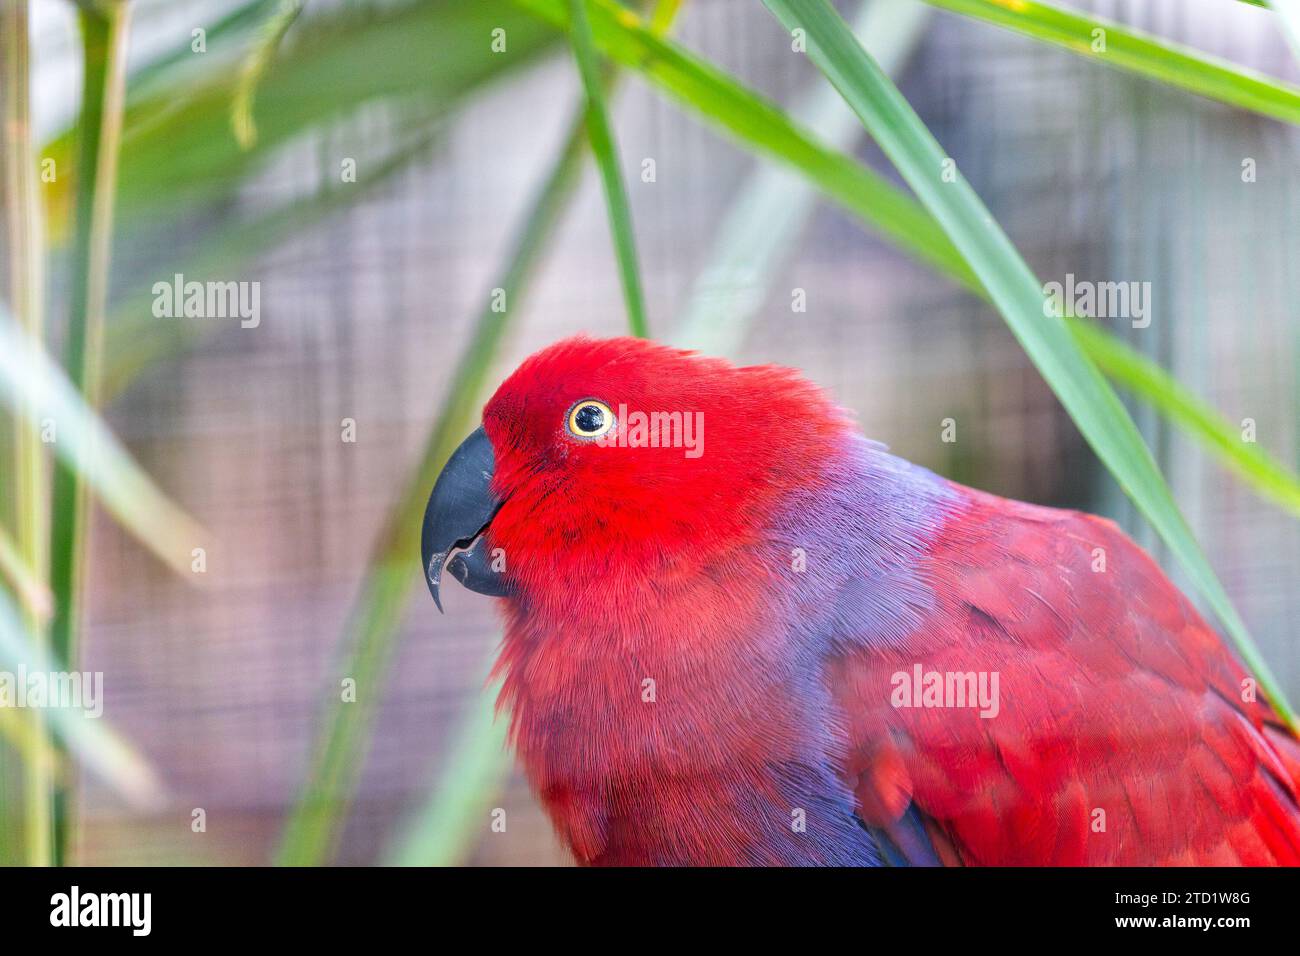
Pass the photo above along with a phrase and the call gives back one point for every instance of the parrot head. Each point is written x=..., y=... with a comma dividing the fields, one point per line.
x=600, y=445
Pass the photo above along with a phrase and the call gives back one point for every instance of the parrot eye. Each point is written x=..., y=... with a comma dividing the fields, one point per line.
x=590, y=419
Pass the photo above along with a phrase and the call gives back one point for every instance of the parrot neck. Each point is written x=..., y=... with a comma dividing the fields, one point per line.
x=655, y=725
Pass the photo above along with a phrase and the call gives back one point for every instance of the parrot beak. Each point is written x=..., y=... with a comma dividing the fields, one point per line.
x=460, y=509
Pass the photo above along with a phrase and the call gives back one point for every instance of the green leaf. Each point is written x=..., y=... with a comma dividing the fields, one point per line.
x=603, y=147
x=1124, y=48
x=27, y=768
x=178, y=150
x=174, y=68
x=23, y=579
x=1162, y=391
x=762, y=126
x=104, y=38
x=169, y=121
x=255, y=67
x=30, y=380
x=1018, y=295
x=763, y=219
x=86, y=736
x=137, y=340
x=442, y=832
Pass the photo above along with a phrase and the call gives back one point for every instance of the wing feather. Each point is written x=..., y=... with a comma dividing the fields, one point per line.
x=1121, y=736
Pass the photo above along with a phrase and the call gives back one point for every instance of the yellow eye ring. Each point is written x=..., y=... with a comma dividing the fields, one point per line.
x=589, y=418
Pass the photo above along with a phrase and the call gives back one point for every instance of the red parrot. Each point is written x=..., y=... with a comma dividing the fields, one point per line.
x=740, y=633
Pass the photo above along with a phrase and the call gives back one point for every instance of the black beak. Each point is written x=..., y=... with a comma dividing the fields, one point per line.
x=459, y=510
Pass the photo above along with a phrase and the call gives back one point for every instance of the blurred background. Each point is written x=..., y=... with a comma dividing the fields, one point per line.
x=372, y=290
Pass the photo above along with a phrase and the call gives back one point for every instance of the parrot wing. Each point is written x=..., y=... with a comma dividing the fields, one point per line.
x=1117, y=730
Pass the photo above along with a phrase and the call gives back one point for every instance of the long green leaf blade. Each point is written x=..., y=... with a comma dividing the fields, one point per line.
x=1125, y=48
x=760, y=124
x=29, y=587
x=29, y=379
x=1147, y=380
x=178, y=151
x=104, y=39
x=762, y=221
x=601, y=136
x=89, y=738
x=177, y=117
x=23, y=557
x=136, y=340
x=255, y=67
x=1094, y=406
x=442, y=834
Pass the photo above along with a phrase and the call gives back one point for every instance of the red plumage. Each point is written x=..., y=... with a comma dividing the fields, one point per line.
x=1124, y=731
x=1119, y=698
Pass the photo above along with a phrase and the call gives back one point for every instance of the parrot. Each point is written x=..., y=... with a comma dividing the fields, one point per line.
x=738, y=632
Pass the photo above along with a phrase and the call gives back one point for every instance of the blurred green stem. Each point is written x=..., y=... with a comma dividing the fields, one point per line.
x=605, y=149
x=255, y=67
x=26, y=280
x=447, y=828
x=1132, y=370
x=16, y=567
x=104, y=31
